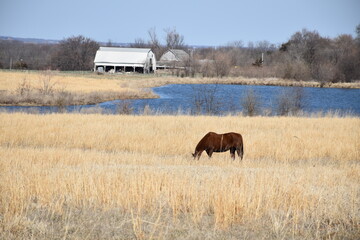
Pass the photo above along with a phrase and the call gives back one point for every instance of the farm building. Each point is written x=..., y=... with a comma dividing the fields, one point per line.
x=173, y=58
x=115, y=59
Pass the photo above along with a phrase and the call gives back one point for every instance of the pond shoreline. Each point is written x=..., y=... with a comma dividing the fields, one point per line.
x=106, y=88
x=81, y=103
x=302, y=84
x=222, y=99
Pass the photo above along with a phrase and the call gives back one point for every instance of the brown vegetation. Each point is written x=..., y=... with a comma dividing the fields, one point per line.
x=306, y=56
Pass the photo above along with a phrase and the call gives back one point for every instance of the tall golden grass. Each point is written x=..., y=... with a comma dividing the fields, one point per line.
x=56, y=88
x=77, y=176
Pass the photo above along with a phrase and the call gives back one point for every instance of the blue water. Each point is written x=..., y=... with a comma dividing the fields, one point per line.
x=223, y=99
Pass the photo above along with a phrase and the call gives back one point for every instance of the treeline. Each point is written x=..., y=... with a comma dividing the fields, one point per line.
x=306, y=56
x=72, y=54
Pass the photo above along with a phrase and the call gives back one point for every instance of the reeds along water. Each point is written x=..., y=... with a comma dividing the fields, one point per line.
x=299, y=176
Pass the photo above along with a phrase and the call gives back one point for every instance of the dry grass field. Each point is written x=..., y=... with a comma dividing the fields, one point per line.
x=57, y=88
x=73, y=82
x=72, y=176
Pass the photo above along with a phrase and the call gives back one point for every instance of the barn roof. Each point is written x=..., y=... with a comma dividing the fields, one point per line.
x=116, y=55
x=179, y=54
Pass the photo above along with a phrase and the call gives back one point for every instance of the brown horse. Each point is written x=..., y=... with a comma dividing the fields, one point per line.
x=213, y=142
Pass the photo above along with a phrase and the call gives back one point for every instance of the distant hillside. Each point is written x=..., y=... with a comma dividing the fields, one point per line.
x=47, y=41
x=29, y=40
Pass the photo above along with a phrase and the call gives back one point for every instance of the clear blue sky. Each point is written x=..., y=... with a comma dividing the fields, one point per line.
x=201, y=22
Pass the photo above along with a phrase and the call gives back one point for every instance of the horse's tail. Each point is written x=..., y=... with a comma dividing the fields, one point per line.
x=242, y=150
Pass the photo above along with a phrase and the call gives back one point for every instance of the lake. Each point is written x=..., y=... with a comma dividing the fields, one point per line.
x=218, y=99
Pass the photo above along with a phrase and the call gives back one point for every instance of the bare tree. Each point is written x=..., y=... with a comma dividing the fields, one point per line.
x=191, y=64
x=75, y=53
x=124, y=107
x=24, y=87
x=250, y=103
x=155, y=44
x=290, y=101
x=173, y=39
x=206, y=68
x=205, y=100
x=153, y=41
x=139, y=43
x=308, y=46
x=236, y=44
x=221, y=65
x=46, y=84
x=346, y=58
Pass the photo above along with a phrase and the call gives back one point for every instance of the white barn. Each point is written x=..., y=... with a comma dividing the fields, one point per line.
x=174, y=58
x=116, y=59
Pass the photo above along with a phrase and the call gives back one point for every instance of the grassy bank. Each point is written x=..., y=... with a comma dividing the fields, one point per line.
x=125, y=177
x=76, y=88
x=60, y=89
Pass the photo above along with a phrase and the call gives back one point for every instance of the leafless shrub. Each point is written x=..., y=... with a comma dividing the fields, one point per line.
x=147, y=110
x=24, y=87
x=250, y=103
x=191, y=66
x=297, y=70
x=327, y=72
x=221, y=65
x=216, y=64
x=267, y=112
x=63, y=99
x=94, y=97
x=290, y=101
x=205, y=101
x=47, y=85
x=298, y=99
x=207, y=69
x=124, y=107
x=283, y=104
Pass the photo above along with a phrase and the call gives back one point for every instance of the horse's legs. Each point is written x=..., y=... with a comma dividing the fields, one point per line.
x=209, y=152
x=232, y=153
x=199, y=154
x=240, y=153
